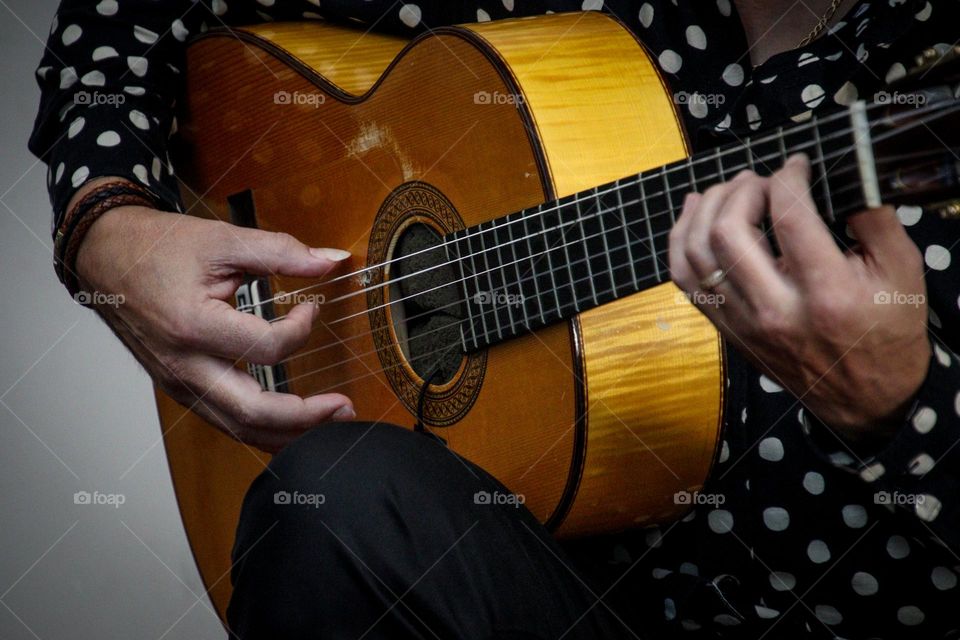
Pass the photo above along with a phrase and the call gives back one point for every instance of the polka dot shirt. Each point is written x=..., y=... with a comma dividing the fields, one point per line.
x=796, y=534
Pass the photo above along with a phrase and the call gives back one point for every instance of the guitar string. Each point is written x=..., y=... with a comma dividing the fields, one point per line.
x=750, y=163
x=483, y=336
x=684, y=165
x=459, y=301
x=344, y=340
x=444, y=348
x=487, y=333
x=582, y=217
x=537, y=234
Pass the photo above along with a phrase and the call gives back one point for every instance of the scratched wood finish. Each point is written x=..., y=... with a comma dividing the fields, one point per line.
x=321, y=170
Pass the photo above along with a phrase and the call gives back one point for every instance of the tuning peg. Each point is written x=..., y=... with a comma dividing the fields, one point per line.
x=949, y=210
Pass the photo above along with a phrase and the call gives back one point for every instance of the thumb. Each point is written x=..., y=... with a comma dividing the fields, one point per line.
x=267, y=253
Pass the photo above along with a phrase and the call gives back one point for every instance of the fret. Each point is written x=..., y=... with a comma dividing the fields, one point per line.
x=603, y=212
x=511, y=222
x=821, y=163
x=649, y=220
x=580, y=226
x=692, y=187
x=466, y=272
x=666, y=191
x=547, y=226
x=704, y=172
x=533, y=270
x=746, y=147
x=566, y=227
x=501, y=271
x=472, y=253
x=781, y=143
x=626, y=231
x=721, y=174
x=454, y=259
x=766, y=155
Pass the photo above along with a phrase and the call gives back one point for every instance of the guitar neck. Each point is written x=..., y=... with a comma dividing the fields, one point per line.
x=550, y=262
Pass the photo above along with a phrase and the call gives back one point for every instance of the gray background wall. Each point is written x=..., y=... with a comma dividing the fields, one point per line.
x=76, y=414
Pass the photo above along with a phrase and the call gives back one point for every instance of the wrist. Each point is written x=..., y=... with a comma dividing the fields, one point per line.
x=91, y=202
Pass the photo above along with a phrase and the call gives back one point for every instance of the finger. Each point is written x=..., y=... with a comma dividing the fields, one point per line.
x=881, y=236
x=680, y=270
x=268, y=441
x=805, y=242
x=225, y=332
x=238, y=395
x=269, y=253
x=742, y=250
x=697, y=248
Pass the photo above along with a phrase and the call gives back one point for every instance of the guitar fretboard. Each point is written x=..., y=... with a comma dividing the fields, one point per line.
x=544, y=264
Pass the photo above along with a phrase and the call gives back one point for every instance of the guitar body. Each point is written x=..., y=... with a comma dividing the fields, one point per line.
x=597, y=421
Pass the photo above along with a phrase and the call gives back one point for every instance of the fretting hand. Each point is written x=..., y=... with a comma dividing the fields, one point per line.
x=817, y=320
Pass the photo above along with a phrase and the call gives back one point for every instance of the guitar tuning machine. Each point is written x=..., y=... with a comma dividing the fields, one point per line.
x=931, y=56
x=949, y=210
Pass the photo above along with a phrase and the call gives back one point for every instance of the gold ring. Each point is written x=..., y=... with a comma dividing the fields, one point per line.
x=712, y=280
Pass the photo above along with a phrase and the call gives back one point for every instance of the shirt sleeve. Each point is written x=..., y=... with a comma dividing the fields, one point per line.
x=112, y=70
x=109, y=78
x=917, y=473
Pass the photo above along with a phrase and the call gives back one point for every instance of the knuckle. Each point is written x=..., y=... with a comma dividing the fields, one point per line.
x=181, y=331
x=771, y=321
x=245, y=416
x=827, y=309
x=286, y=242
x=269, y=346
x=695, y=257
x=716, y=190
x=719, y=237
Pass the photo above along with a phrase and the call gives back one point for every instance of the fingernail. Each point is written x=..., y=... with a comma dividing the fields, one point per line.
x=798, y=157
x=330, y=254
x=345, y=412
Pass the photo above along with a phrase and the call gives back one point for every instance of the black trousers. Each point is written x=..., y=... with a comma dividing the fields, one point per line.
x=360, y=530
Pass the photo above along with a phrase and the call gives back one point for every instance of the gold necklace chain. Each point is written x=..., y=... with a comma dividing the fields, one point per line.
x=821, y=23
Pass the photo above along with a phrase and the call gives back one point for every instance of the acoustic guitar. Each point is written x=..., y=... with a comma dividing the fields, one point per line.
x=506, y=190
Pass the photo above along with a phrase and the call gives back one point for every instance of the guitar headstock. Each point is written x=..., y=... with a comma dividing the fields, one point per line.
x=915, y=126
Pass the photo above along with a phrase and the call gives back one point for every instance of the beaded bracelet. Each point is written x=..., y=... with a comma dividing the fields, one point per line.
x=78, y=221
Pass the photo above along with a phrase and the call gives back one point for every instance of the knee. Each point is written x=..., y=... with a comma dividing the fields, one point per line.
x=355, y=474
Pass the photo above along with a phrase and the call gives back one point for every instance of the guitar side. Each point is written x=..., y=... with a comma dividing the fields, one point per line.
x=640, y=380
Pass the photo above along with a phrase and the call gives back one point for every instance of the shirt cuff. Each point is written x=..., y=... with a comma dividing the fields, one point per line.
x=918, y=470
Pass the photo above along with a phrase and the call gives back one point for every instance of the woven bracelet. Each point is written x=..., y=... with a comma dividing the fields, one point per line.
x=78, y=221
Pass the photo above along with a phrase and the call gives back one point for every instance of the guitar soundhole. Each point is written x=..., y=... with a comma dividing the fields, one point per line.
x=426, y=305
x=415, y=318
